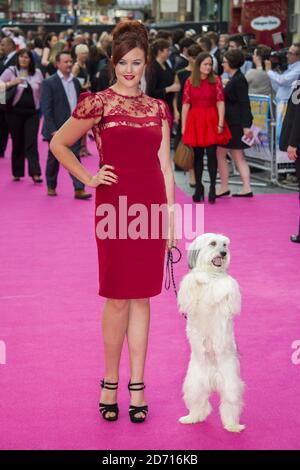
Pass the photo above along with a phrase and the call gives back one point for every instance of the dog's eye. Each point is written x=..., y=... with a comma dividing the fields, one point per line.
x=213, y=243
x=224, y=244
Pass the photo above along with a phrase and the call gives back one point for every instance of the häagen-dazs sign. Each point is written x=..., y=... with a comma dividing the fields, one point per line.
x=262, y=23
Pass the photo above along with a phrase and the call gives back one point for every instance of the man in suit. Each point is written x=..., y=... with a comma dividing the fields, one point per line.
x=182, y=60
x=8, y=50
x=215, y=52
x=60, y=94
x=290, y=138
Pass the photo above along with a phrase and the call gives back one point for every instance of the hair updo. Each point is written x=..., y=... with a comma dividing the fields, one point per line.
x=128, y=35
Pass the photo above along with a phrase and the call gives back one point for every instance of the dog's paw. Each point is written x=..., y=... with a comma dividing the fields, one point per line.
x=235, y=427
x=189, y=419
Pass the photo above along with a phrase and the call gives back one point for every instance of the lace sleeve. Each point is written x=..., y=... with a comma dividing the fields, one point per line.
x=186, y=99
x=165, y=113
x=219, y=90
x=89, y=106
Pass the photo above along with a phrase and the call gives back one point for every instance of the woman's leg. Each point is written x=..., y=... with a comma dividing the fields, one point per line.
x=114, y=327
x=15, y=123
x=212, y=164
x=192, y=178
x=223, y=169
x=243, y=168
x=137, y=336
x=31, y=129
x=198, y=167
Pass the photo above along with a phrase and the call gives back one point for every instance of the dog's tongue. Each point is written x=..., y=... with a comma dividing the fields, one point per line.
x=217, y=261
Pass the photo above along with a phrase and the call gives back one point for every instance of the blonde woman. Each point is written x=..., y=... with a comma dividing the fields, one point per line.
x=80, y=69
x=104, y=40
x=56, y=49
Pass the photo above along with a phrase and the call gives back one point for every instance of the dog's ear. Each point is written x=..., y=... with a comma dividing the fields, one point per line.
x=192, y=258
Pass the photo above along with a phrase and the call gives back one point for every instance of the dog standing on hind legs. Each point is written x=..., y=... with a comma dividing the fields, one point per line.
x=211, y=298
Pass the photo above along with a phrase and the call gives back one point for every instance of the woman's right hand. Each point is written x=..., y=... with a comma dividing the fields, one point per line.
x=103, y=176
x=15, y=82
x=176, y=116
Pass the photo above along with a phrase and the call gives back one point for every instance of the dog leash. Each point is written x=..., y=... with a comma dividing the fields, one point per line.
x=170, y=270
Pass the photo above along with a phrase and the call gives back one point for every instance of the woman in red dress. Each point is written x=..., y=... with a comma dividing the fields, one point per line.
x=133, y=138
x=203, y=123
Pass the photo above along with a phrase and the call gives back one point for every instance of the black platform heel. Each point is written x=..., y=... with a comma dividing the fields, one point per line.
x=198, y=196
x=133, y=410
x=104, y=408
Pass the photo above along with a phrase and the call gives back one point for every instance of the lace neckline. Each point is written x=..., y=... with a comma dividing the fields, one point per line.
x=125, y=96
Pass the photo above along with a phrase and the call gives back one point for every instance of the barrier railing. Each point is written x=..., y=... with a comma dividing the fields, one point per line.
x=268, y=115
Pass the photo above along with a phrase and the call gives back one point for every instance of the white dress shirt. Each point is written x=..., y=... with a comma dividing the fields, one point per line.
x=283, y=83
x=9, y=56
x=69, y=89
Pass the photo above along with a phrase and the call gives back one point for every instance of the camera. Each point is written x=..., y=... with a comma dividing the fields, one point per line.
x=279, y=59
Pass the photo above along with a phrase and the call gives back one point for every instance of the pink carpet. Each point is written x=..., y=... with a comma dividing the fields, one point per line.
x=50, y=323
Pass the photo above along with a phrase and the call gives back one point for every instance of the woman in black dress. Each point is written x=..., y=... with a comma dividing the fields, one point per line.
x=239, y=118
x=159, y=76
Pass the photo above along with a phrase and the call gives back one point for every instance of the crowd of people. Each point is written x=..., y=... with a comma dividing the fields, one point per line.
x=205, y=80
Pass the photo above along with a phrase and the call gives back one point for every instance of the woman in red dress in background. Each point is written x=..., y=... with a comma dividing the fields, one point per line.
x=203, y=123
x=133, y=139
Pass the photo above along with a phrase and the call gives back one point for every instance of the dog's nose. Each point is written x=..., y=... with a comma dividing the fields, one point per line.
x=223, y=254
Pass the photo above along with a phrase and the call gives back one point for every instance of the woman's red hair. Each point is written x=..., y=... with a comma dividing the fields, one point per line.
x=128, y=35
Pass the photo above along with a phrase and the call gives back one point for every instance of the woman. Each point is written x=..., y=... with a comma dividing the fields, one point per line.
x=159, y=76
x=180, y=78
x=239, y=118
x=258, y=79
x=95, y=58
x=50, y=41
x=132, y=130
x=37, y=51
x=51, y=68
x=80, y=69
x=81, y=72
x=23, y=118
x=203, y=124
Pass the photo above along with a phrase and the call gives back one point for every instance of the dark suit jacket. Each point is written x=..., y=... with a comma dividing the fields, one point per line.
x=55, y=105
x=12, y=61
x=290, y=133
x=237, y=103
x=218, y=56
x=180, y=63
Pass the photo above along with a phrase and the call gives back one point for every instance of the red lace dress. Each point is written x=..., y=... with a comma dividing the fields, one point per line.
x=128, y=135
x=201, y=128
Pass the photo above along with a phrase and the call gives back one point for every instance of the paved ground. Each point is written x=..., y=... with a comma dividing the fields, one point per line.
x=258, y=187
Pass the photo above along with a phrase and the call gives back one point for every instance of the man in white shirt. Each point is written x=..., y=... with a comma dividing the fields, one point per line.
x=283, y=83
x=237, y=42
x=60, y=93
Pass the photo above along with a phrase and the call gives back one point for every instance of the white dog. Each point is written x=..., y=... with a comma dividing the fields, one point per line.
x=210, y=298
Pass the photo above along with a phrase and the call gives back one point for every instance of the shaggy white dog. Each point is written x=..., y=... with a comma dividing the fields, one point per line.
x=210, y=298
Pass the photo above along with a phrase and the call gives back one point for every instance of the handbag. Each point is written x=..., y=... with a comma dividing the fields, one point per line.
x=184, y=156
x=9, y=95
